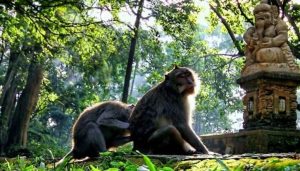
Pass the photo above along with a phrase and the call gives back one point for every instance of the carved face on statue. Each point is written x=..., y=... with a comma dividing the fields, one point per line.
x=263, y=16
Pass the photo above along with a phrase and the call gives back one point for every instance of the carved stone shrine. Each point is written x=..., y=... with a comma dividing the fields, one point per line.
x=270, y=75
x=270, y=78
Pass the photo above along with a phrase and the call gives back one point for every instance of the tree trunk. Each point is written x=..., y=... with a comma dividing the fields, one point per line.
x=8, y=98
x=131, y=52
x=17, y=138
x=134, y=75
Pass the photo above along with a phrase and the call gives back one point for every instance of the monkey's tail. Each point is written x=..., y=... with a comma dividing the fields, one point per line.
x=64, y=161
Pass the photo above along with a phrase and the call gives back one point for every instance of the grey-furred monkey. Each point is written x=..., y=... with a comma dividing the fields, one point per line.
x=99, y=128
x=161, y=121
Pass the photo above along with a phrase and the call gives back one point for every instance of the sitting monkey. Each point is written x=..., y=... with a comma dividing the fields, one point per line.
x=161, y=121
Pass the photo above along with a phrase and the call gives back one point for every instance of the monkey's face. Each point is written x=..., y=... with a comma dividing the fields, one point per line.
x=130, y=108
x=183, y=80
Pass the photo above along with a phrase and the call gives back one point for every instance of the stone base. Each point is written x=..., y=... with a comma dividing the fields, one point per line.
x=268, y=67
x=270, y=100
x=254, y=141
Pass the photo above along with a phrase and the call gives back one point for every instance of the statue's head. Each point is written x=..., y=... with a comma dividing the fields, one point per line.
x=263, y=13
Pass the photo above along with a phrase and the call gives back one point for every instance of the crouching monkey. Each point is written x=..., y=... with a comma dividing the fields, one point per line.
x=99, y=128
x=161, y=121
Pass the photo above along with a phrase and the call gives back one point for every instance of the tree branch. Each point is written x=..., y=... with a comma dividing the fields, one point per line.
x=243, y=14
x=229, y=30
x=289, y=17
x=234, y=56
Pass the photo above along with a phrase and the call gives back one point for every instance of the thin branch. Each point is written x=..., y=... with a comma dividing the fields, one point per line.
x=57, y=4
x=65, y=24
x=3, y=49
x=229, y=30
x=293, y=24
x=243, y=14
x=132, y=10
x=234, y=56
x=283, y=5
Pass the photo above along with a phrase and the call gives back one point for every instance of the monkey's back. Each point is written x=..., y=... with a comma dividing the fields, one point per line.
x=109, y=109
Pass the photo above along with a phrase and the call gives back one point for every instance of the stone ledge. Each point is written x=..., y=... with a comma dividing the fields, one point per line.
x=254, y=141
x=291, y=76
x=167, y=158
x=268, y=67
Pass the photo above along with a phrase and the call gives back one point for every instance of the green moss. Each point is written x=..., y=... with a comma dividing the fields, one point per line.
x=269, y=164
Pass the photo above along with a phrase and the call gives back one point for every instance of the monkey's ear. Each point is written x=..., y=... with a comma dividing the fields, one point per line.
x=166, y=77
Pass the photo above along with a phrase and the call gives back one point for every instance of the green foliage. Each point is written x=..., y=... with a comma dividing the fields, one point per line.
x=46, y=141
x=21, y=163
x=177, y=18
x=109, y=162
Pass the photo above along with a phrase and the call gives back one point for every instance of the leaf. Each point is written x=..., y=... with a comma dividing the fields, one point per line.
x=117, y=164
x=52, y=156
x=94, y=168
x=112, y=169
x=223, y=164
x=149, y=163
x=107, y=153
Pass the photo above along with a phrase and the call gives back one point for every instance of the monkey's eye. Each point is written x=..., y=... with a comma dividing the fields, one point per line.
x=183, y=75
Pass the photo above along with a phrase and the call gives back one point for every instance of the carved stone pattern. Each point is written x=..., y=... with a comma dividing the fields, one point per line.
x=266, y=99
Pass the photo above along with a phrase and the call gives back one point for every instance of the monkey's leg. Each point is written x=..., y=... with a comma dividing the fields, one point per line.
x=168, y=140
x=89, y=142
x=120, y=141
x=193, y=139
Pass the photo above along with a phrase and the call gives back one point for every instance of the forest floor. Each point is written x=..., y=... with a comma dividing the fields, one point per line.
x=243, y=162
x=124, y=161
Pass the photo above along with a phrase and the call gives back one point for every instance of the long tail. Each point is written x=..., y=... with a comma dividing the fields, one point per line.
x=62, y=162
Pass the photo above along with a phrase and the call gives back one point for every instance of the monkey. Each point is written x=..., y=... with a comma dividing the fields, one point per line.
x=161, y=120
x=99, y=128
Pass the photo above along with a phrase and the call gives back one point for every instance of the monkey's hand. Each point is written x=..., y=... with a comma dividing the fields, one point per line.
x=192, y=152
x=214, y=153
x=189, y=150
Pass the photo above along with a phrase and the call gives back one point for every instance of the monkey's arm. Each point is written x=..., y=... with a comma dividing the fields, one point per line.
x=114, y=123
x=192, y=138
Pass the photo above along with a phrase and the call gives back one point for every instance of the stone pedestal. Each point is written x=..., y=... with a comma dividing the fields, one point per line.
x=270, y=105
x=270, y=101
x=254, y=141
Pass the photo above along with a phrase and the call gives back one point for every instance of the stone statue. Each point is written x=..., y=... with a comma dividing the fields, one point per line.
x=267, y=42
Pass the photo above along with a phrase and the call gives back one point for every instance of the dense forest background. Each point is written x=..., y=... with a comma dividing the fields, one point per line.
x=58, y=57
